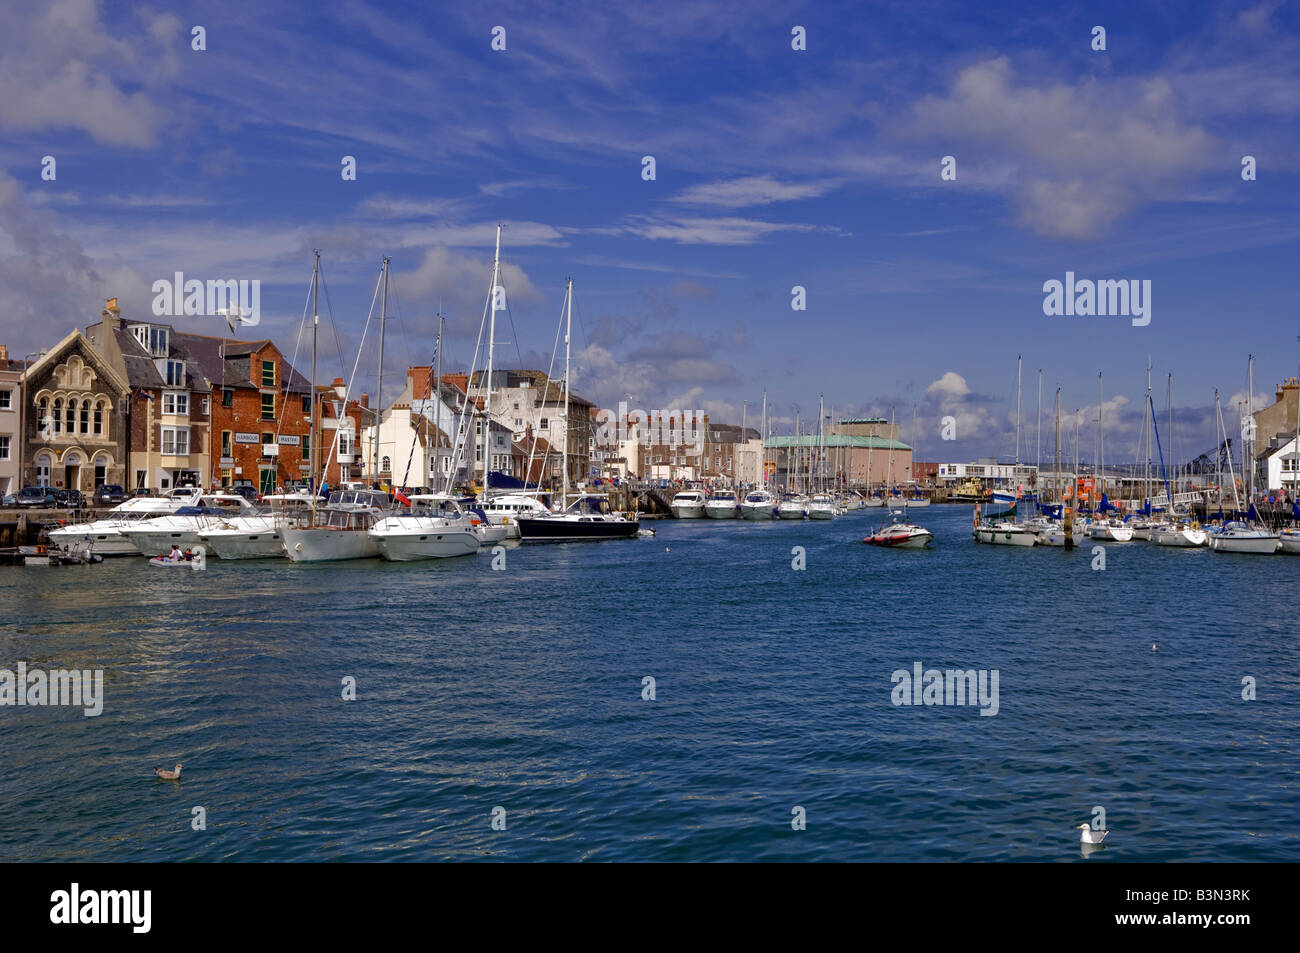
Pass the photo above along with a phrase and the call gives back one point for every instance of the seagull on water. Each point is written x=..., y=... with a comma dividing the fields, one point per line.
x=1088, y=836
x=1153, y=647
x=172, y=775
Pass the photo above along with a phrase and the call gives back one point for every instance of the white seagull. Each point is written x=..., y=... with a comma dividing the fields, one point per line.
x=173, y=775
x=1086, y=834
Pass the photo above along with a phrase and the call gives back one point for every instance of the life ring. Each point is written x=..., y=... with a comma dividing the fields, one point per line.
x=505, y=521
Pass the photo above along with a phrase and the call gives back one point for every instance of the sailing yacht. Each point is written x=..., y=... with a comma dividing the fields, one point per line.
x=1112, y=530
x=589, y=516
x=758, y=505
x=1001, y=529
x=586, y=518
x=723, y=505
x=1179, y=533
x=1237, y=536
x=689, y=505
x=340, y=529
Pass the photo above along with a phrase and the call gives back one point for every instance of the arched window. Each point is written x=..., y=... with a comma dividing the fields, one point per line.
x=43, y=470
x=85, y=416
x=42, y=411
x=72, y=417
x=99, y=418
x=57, y=416
x=385, y=465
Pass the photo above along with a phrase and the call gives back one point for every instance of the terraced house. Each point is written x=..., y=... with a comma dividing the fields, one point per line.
x=170, y=412
x=11, y=402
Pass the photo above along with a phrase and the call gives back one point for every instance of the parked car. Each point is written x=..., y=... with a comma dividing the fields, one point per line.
x=142, y=491
x=72, y=499
x=8, y=500
x=109, y=494
x=37, y=497
x=247, y=491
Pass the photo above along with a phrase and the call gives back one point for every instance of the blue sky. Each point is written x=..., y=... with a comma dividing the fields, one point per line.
x=774, y=167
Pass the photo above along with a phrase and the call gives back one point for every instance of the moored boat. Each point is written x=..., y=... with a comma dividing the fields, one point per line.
x=758, y=505
x=722, y=505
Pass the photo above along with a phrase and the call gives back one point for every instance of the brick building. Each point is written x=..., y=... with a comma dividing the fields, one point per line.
x=261, y=417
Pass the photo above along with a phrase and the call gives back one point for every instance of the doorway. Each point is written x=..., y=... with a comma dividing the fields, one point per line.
x=72, y=471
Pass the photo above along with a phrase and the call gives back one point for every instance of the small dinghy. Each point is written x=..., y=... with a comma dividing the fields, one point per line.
x=171, y=563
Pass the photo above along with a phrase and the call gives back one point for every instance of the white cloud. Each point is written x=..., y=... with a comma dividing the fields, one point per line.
x=1087, y=151
x=751, y=190
x=62, y=68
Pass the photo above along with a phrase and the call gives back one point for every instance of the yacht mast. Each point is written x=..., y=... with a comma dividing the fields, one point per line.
x=744, y=419
x=568, y=326
x=763, y=475
x=1038, y=450
x=891, y=457
x=379, y=384
x=492, y=334
x=1148, y=419
x=1169, y=401
x=1250, y=432
x=311, y=384
x=1101, y=441
x=437, y=398
x=821, y=441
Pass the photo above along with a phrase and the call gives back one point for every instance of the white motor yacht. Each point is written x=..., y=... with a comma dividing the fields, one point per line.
x=899, y=533
x=793, y=508
x=758, y=505
x=722, y=505
x=689, y=505
x=182, y=528
x=822, y=507
x=257, y=536
x=433, y=528
x=341, y=529
x=105, y=535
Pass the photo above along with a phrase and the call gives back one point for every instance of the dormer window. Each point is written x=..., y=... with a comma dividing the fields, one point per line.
x=152, y=339
x=173, y=373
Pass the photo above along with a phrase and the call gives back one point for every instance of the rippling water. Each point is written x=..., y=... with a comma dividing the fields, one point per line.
x=522, y=689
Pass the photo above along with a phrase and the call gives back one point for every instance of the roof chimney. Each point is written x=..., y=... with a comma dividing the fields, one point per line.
x=4, y=353
x=112, y=314
x=365, y=400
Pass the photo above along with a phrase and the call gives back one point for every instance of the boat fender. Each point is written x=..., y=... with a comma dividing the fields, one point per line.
x=297, y=547
x=505, y=521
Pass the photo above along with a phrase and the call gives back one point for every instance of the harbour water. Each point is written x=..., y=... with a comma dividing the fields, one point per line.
x=523, y=689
